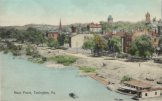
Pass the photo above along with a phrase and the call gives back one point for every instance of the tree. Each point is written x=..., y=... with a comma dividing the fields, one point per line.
x=115, y=44
x=89, y=44
x=100, y=44
x=52, y=43
x=61, y=39
x=142, y=46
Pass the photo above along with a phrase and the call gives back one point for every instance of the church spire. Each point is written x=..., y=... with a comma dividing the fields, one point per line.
x=60, y=26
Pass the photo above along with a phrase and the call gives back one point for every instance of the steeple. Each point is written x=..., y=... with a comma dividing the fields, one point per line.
x=60, y=26
x=148, y=19
x=161, y=10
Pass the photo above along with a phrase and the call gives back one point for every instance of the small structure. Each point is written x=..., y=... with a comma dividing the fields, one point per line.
x=153, y=92
x=142, y=89
x=95, y=28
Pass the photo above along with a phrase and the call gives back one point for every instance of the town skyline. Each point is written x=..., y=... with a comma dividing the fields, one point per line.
x=20, y=12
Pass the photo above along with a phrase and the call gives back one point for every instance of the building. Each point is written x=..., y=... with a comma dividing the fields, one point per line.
x=127, y=42
x=142, y=89
x=110, y=19
x=52, y=34
x=148, y=18
x=73, y=29
x=94, y=28
x=160, y=29
x=126, y=39
x=78, y=40
x=138, y=85
x=153, y=92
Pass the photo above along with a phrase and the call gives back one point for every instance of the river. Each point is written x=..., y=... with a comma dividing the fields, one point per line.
x=22, y=80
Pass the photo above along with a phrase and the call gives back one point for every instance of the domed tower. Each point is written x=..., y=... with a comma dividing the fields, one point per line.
x=148, y=19
x=110, y=19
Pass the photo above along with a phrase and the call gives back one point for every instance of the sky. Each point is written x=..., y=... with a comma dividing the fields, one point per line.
x=21, y=12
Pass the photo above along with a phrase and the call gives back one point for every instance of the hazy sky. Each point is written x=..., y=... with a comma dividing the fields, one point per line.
x=21, y=12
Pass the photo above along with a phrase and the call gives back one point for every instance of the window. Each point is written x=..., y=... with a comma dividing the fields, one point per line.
x=155, y=93
x=145, y=94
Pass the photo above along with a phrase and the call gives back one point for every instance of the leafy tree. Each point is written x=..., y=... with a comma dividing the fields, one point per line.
x=142, y=46
x=115, y=44
x=100, y=44
x=66, y=40
x=89, y=44
x=52, y=43
x=61, y=39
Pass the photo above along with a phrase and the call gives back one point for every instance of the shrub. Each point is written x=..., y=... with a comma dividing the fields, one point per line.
x=37, y=60
x=5, y=51
x=64, y=59
x=87, y=69
x=16, y=52
x=29, y=50
x=125, y=78
x=121, y=55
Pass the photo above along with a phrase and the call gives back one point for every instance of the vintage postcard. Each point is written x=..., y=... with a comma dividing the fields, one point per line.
x=80, y=50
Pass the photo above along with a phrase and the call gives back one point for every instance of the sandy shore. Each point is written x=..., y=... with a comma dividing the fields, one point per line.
x=112, y=70
x=53, y=65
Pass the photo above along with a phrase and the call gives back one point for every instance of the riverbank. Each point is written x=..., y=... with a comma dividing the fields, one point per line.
x=112, y=70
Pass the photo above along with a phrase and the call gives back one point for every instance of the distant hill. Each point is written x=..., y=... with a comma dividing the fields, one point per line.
x=45, y=27
x=42, y=27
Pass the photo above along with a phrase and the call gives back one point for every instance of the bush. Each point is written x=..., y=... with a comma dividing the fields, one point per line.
x=121, y=55
x=87, y=69
x=16, y=52
x=29, y=50
x=64, y=59
x=44, y=58
x=5, y=51
x=39, y=60
x=125, y=78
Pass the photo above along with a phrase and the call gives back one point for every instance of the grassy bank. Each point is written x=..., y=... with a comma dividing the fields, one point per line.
x=63, y=59
x=88, y=69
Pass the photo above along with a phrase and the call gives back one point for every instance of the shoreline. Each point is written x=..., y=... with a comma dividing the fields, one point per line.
x=113, y=69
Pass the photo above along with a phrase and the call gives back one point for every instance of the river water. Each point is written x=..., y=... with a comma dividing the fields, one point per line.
x=22, y=80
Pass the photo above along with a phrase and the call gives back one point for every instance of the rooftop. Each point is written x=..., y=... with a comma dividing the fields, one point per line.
x=138, y=83
x=152, y=89
x=95, y=25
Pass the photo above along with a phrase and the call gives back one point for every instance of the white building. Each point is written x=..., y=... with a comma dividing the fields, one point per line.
x=154, y=92
x=95, y=28
x=78, y=40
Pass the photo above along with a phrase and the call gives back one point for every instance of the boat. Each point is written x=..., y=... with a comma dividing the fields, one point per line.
x=73, y=95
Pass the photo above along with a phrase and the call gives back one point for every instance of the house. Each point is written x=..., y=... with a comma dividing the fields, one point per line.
x=142, y=89
x=52, y=34
x=153, y=92
x=73, y=29
x=95, y=28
